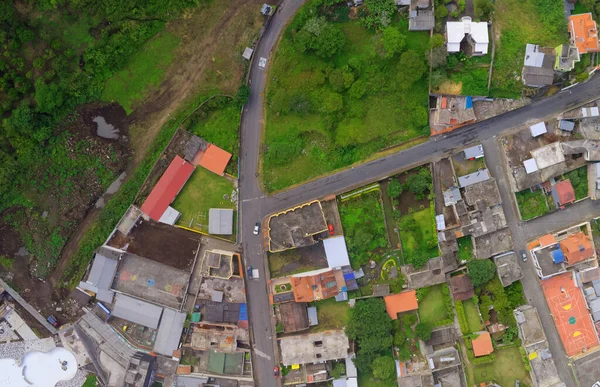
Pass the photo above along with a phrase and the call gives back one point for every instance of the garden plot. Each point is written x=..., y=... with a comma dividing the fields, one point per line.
x=507, y=368
x=435, y=305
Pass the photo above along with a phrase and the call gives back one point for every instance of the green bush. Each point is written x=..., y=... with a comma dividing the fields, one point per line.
x=462, y=317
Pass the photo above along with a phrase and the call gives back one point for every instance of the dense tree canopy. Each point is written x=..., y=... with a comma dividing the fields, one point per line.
x=384, y=368
x=321, y=37
x=393, y=41
x=481, y=271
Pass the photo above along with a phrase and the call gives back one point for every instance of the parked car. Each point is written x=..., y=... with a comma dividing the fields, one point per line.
x=52, y=320
x=523, y=255
x=256, y=228
x=330, y=228
x=249, y=271
x=276, y=371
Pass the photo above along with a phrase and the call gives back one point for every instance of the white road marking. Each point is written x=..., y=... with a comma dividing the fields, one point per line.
x=249, y=200
x=262, y=354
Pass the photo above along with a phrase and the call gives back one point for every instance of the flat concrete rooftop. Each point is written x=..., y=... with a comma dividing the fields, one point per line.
x=295, y=227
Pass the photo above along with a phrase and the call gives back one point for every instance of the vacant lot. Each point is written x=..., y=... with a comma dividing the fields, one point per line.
x=295, y=261
x=516, y=23
x=203, y=191
x=468, y=77
x=579, y=180
x=532, y=204
x=146, y=69
x=418, y=234
x=433, y=307
x=505, y=370
x=464, y=166
x=465, y=248
x=472, y=314
x=331, y=315
x=315, y=125
x=364, y=227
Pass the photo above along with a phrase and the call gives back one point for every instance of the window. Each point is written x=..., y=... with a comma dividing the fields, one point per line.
x=318, y=343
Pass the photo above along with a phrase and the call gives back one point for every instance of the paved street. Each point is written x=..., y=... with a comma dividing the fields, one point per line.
x=255, y=205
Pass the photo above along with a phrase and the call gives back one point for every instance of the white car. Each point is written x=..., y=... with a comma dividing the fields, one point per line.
x=262, y=62
x=256, y=228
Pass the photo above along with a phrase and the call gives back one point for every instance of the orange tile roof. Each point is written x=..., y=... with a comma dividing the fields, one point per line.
x=565, y=192
x=547, y=240
x=315, y=287
x=215, y=159
x=184, y=370
x=401, y=302
x=584, y=33
x=482, y=345
x=571, y=316
x=577, y=247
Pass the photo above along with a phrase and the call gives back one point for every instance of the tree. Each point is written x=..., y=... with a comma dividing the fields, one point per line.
x=418, y=184
x=484, y=8
x=438, y=57
x=411, y=67
x=423, y=331
x=384, y=368
x=370, y=326
x=393, y=41
x=358, y=89
x=437, y=40
x=394, y=188
x=341, y=79
x=322, y=37
x=332, y=103
x=420, y=258
x=379, y=13
x=409, y=319
x=399, y=338
x=481, y=271
x=338, y=370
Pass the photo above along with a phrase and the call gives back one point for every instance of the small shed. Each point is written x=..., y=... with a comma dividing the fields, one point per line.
x=336, y=252
x=312, y=316
x=440, y=222
x=538, y=129
x=220, y=221
x=590, y=112
x=247, y=53
x=474, y=152
x=170, y=216
x=530, y=166
x=566, y=125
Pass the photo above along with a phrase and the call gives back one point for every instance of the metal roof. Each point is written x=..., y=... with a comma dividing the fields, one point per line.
x=312, y=316
x=170, y=216
x=220, y=221
x=474, y=152
x=530, y=165
x=169, y=332
x=137, y=311
x=336, y=252
x=538, y=129
x=474, y=178
x=103, y=271
x=566, y=125
x=533, y=56
x=440, y=223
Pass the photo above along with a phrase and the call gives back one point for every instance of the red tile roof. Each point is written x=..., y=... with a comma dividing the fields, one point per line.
x=167, y=188
x=482, y=345
x=401, y=302
x=577, y=247
x=584, y=33
x=215, y=159
x=565, y=192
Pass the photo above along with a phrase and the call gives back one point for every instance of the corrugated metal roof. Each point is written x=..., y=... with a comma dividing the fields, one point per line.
x=530, y=165
x=220, y=221
x=312, y=316
x=336, y=252
x=170, y=216
x=538, y=129
x=137, y=311
x=474, y=178
x=169, y=332
x=103, y=271
x=440, y=222
x=474, y=152
x=351, y=370
x=566, y=125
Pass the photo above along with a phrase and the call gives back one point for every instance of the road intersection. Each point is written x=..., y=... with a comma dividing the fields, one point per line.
x=255, y=205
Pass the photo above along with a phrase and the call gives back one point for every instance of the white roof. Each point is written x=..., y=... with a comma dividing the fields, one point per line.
x=456, y=32
x=440, y=223
x=590, y=112
x=38, y=369
x=474, y=152
x=530, y=166
x=533, y=56
x=538, y=129
x=336, y=252
x=170, y=216
x=247, y=53
x=548, y=155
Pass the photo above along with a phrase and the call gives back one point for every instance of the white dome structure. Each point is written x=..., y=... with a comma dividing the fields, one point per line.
x=38, y=369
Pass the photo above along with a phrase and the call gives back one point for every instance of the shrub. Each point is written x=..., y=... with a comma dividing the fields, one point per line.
x=394, y=188
x=462, y=318
x=423, y=331
x=409, y=319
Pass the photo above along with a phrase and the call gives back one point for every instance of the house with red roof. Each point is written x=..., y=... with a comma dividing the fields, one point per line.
x=401, y=302
x=482, y=344
x=563, y=193
x=157, y=204
x=215, y=159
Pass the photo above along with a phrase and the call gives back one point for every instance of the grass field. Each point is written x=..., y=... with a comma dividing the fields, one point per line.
x=432, y=306
x=417, y=234
x=507, y=368
x=532, y=204
x=464, y=167
x=203, y=191
x=367, y=380
x=518, y=22
x=90, y=381
x=364, y=227
x=579, y=180
x=221, y=128
x=331, y=315
x=465, y=248
x=303, y=141
x=472, y=314
x=145, y=70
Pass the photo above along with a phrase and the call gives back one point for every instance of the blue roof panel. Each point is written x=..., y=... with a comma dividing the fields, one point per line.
x=243, y=313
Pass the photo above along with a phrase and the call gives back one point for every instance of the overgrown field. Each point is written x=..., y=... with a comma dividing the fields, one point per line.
x=364, y=227
x=339, y=91
x=516, y=23
x=532, y=204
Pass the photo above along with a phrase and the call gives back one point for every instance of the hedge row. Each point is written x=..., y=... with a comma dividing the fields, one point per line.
x=462, y=318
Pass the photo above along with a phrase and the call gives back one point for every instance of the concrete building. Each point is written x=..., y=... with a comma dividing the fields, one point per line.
x=314, y=347
x=220, y=221
x=538, y=68
x=467, y=36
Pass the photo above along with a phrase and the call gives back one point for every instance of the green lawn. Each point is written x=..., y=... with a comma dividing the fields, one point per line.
x=472, y=315
x=505, y=370
x=306, y=136
x=221, y=128
x=364, y=227
x=579, y=181
x=418, y=234
x=90, y=381
x=145, y=69
x=531, y=204
x=203, y=191
x=432, y=307
x=367, y=380
x=465, y=248
x=518, y=22
x=464, y=167
x=331, y=315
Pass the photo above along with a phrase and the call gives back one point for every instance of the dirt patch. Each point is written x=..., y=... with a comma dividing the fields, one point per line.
x=10, y=241
x=297, y=260
x=109, y=122
x=450, y=88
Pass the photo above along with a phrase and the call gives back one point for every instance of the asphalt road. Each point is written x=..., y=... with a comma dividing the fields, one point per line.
x=255, y=205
